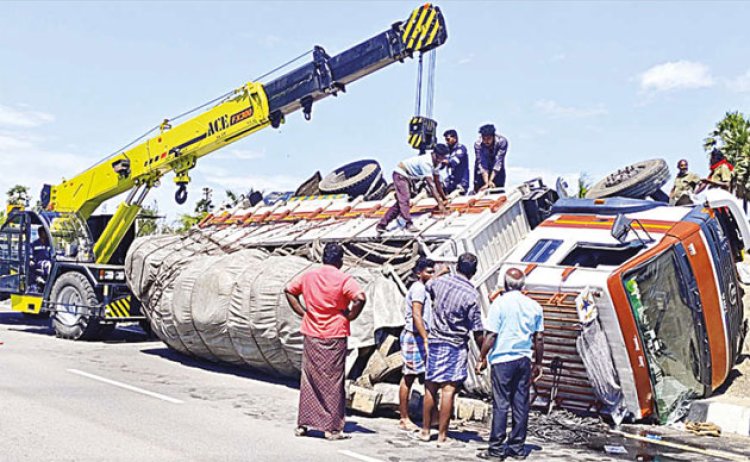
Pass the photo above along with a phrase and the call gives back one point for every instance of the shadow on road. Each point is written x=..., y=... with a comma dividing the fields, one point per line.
x=172, y=355
x=22, y=322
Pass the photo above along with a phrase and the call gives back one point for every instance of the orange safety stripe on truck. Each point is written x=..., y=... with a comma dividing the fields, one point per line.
x=701, y=263
x=595, y=222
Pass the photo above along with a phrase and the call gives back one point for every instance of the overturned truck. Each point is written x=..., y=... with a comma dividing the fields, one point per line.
x=217, y=292
x=642, y=303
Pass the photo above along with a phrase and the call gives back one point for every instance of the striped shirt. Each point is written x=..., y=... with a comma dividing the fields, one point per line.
x=455, y=309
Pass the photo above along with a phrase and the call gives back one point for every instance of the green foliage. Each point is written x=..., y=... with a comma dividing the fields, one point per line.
x=147, y=222
x=732, y=136
x=187, y=221
x=18, y=195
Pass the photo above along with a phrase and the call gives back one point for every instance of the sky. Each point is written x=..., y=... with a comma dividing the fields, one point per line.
x=576, y=87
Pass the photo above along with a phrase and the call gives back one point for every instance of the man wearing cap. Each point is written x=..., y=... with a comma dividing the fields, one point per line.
x=684, y=185
x=412, y=169
x=490, y=150
x=458, y=164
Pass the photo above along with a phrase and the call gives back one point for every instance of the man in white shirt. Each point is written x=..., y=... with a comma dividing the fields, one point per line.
x=411, y=169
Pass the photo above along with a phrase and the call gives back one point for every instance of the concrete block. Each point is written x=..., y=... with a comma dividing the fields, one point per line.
x=364, y=400
x=732, y=415
x=472, y=409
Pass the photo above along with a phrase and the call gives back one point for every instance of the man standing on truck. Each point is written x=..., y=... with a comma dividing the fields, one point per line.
x=458, y=164
x=456, y=315
x=515, y=324
x=684, y=185
x=332, y=299
x=489, y=167
x=721, y=172
x=414, y=337
x=412, y=169
x=41, y=259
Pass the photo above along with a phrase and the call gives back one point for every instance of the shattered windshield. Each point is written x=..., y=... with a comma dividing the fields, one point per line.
x=665, y=321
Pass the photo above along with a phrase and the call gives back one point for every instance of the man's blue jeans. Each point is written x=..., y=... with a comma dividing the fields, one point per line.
x=510, y=389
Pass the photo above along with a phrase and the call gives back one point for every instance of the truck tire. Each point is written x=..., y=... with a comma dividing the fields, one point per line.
x=353, y=179
x=74, y=289
x=378, y=191
x=636, y=181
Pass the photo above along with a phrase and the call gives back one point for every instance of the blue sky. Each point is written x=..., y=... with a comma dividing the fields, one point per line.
x=575, y=86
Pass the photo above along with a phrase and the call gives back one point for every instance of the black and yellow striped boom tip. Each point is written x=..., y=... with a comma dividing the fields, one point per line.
x=425, y=29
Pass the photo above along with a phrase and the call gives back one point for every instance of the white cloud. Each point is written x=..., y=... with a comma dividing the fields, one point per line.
x=467, y=59
x=676, y=75
x=558, y=57
x=741, y=83
x=12, y=117
x=555, y=109
x=25, y=162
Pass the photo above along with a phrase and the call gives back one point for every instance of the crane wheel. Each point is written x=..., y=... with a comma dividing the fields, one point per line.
x=71, y=293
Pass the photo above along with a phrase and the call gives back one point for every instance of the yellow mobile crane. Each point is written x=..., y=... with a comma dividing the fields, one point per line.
x=68, y=262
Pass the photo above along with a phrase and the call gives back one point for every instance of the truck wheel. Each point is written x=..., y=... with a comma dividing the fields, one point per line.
x=353, y=179
x=73, y=290
x=636, y=181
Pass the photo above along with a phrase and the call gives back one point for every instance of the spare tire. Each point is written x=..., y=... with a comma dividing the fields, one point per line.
x=637, y=181
x=353, y=179
x=378, y=191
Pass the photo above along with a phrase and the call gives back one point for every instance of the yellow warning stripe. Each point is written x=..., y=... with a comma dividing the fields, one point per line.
x=417, y=29
x=435, y=29
x=426, y=28
x=118, y=308
x=409, y=24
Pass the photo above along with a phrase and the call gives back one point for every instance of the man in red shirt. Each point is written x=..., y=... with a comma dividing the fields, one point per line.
x=332, y=299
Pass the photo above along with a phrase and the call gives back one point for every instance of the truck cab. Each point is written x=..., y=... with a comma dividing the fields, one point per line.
x=642, y=303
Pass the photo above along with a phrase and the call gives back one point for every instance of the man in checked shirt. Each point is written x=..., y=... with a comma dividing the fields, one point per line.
x=456, y=315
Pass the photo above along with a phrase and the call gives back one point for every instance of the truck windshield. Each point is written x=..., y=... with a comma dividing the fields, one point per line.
x=661, y=308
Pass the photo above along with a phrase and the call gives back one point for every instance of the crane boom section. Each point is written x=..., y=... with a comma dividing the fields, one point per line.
x=244, y=111
x=175, y=149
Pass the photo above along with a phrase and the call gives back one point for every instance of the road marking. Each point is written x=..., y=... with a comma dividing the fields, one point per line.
x=359, y=456
x=126, y=386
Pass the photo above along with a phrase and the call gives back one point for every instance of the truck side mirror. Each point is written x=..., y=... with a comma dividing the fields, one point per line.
x=621, y=228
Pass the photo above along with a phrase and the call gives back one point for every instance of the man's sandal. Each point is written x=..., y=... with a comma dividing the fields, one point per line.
x=300, y=431
x=417, y=435
x=336, y=436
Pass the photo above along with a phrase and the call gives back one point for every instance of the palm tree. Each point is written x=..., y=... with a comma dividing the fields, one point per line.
x=732, y=136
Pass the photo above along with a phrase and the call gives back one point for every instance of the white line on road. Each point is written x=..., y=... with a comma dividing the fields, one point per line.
x=126, y=386
x=359, y=456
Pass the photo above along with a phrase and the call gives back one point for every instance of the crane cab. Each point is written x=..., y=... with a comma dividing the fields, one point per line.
x=47, y=266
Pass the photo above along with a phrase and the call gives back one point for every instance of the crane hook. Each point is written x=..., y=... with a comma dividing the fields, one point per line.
x=181, y=195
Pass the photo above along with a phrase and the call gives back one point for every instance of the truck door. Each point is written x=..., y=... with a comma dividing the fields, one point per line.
x=13, y=256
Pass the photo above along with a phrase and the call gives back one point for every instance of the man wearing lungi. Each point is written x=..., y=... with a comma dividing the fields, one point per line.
x=455, y=316
x=332, y=299
x=414, y=337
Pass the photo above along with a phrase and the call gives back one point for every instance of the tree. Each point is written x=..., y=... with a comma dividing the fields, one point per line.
x=732, y=136
x=204, y=204
x=147, y=220
x=18, y=195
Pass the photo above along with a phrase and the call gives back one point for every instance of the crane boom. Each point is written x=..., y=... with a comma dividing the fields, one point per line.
x=247, y=109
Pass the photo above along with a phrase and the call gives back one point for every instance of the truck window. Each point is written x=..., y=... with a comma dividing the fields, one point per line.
x=659, y=300
x=594, y=255
x=542, y=250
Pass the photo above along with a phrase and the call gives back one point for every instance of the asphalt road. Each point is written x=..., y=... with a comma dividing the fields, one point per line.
x=130, y=398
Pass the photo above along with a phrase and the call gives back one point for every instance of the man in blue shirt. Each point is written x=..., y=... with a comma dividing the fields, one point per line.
x=515, y=324
x=490, y=150
x=458, y=164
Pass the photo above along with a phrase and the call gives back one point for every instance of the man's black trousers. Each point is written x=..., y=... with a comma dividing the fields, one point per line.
x=510, y=389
